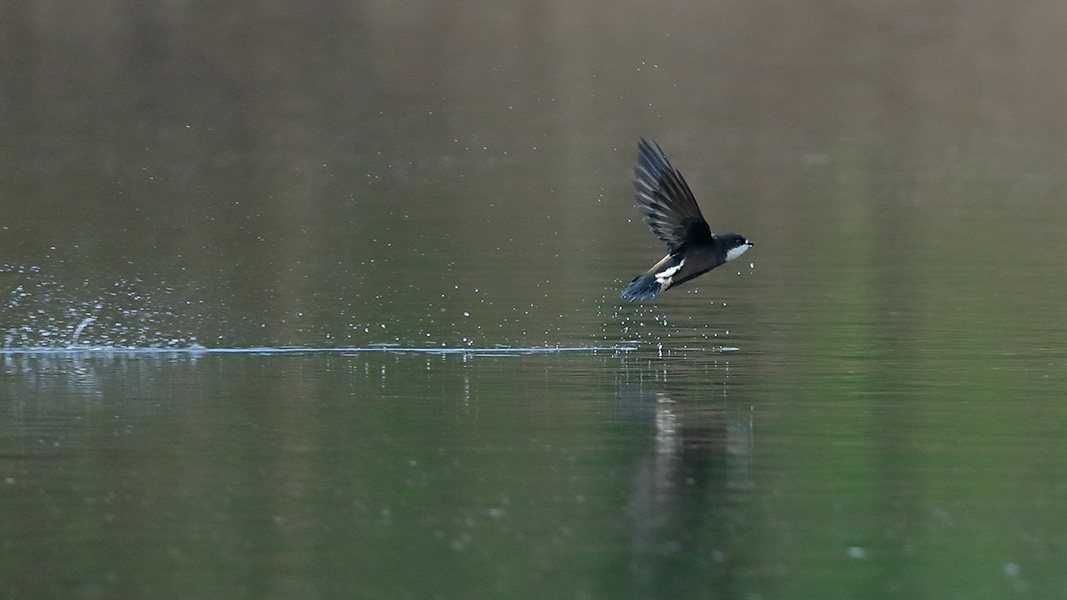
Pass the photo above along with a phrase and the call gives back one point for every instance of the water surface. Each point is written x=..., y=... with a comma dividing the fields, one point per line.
x=322, y=301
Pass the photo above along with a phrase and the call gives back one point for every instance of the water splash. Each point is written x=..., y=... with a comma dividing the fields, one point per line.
x=201, y=350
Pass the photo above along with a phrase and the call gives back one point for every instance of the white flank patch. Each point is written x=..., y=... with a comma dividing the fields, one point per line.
x=664, y=277
x=733, y=253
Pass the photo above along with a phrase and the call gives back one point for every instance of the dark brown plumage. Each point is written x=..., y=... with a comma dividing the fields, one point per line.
x=669, y=208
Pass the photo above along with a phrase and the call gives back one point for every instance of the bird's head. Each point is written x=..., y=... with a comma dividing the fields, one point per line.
x=736, y=245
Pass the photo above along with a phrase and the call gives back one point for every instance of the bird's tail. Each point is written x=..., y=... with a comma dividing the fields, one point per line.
x=642, y=287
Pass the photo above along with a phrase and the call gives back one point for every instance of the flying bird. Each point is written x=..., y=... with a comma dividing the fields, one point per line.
x=669, y=208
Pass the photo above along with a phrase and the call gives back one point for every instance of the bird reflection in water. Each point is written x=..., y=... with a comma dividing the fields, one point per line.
x=690, y=489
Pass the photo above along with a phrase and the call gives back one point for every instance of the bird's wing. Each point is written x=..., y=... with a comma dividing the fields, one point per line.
x=666, y=202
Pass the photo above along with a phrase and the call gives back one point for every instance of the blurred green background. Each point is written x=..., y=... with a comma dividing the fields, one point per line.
x=868, y=404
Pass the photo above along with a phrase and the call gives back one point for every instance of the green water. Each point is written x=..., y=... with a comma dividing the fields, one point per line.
x=322, y=302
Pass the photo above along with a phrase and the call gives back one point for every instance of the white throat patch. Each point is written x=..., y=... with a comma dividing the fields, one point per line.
x=733, y=253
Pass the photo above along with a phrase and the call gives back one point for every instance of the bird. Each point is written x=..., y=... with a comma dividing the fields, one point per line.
x=669, y=208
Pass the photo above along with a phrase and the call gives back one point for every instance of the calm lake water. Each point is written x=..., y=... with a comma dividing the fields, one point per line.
x=321, y=301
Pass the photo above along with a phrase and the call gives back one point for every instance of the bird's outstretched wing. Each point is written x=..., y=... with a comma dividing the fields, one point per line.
x=666, y=202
